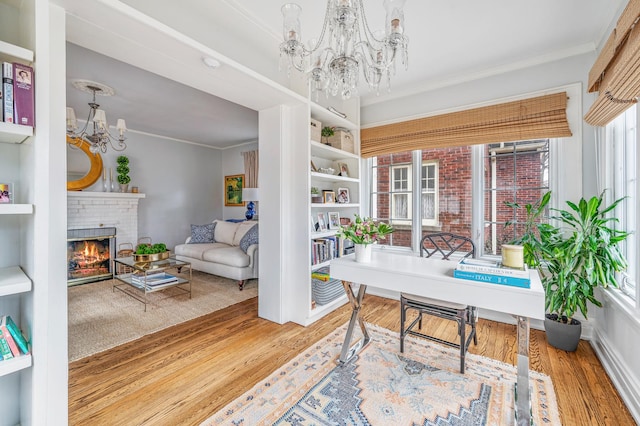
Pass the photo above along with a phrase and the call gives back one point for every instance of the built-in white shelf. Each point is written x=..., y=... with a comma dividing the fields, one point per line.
x=12, y=365
x=11, y=52
x=16, y=208
x=334, y=205
x=322, y=310
x=325, y=151
x=325, y=116
x=14, y=133
x=333, y=178
x=13, y=281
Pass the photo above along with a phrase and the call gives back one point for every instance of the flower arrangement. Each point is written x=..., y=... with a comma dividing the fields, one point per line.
x=365, y=231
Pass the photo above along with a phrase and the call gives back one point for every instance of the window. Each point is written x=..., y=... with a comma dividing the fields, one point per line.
x=620, y=142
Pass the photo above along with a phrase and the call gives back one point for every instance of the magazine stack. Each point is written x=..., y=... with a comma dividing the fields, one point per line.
x=492, y=272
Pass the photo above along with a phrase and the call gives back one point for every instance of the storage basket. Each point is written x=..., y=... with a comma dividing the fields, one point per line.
x=342, y=140
x=323, y=292
x=316, y=130
x=124, y=250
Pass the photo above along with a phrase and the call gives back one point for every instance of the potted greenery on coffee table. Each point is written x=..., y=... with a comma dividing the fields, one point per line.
x=572, y=260
x=123, y=173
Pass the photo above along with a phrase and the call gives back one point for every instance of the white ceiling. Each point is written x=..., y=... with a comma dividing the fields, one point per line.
x=450, y=41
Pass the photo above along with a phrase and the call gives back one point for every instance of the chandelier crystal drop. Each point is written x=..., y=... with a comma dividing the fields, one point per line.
x=96, y=129
x=346, y=46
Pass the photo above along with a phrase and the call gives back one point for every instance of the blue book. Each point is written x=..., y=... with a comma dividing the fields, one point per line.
x=492, y=279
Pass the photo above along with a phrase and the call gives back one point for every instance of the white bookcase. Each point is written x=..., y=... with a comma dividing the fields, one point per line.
x=33, y=226
x=303, y=310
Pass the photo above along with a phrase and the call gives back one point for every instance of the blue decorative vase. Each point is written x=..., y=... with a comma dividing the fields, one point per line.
x=250, y=210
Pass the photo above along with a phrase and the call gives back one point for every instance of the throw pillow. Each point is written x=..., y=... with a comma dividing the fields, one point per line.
x=225, y=231
x=202, y=234
x=251, y=237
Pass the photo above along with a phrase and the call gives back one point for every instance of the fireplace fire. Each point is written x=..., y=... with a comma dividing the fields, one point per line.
x=89, y=255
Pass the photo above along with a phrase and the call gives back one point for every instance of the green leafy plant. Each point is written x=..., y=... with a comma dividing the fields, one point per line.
x=123, y=170
x=576, y=259
x=315, y=190
x=151, y=249
x=328, y=131
x=364, y=231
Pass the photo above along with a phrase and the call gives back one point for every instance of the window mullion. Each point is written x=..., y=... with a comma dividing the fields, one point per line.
x=416, y=221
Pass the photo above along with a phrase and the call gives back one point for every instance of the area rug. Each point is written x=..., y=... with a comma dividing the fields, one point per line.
x=380, y=386
x=101, y=318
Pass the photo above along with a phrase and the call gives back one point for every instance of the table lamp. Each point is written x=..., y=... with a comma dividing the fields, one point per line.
x=250, y=195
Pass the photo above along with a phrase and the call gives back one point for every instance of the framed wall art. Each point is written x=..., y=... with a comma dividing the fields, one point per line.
x=6, y=194
x=233, y=185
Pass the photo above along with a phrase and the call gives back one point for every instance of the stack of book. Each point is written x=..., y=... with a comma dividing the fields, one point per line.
x=153, y=280
x=12, y=342
x=492, y=272
x=16, y=94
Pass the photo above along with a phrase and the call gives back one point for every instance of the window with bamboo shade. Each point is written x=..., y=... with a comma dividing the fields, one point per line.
x=533, y=118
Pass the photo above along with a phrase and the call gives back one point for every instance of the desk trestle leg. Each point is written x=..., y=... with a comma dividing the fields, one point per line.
x=349, y=351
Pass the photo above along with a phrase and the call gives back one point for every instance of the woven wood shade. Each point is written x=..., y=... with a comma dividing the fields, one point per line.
x=616, y=72
x=534, y=118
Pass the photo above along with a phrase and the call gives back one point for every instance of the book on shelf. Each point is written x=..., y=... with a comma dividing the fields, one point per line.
x=5, y=350
x=492, y=279
x=154, y=279
x=322, y=276
x=15, y=333
x=7, y=90
x=23, y=98
x=4, y=332
x=491, y=267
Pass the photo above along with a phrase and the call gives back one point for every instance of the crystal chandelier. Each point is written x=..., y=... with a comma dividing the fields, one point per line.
x=99, y=136
x=346, y=44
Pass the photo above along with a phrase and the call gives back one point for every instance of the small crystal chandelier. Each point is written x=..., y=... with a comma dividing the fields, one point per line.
x=333, y=65
x=100, y=136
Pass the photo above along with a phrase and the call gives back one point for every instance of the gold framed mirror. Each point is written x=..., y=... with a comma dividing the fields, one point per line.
x=95, y=170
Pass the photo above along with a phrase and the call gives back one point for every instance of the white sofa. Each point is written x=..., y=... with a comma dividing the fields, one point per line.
x=225, y=256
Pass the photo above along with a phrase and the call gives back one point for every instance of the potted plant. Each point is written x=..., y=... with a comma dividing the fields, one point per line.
x=326, y=133
x=123, y=173
x=364, y=232
x=572, y=260
x=315, y=195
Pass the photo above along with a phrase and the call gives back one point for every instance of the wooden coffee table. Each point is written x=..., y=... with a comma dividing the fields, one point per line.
x=145, y=277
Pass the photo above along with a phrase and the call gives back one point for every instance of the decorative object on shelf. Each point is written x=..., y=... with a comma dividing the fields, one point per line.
x=513, y=256
x=313, y=167
x=99, y=136
x=151, y=252
x=344, y=169
x=327, y=132
x=322, y=224
x=315, y=195
x=334, y=220
x=113, y=182
x=250, y=195
x=327, y=170
x=364, y=231
x=329, y=196
x=123, y=173
x=342, y=139
x=349, y=45
x=6, y=193
x=105, y=185
x=343, y=196
x=233, y=185
x=316, y=130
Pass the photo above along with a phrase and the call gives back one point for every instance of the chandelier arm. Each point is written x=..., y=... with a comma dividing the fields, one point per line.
x=367, y=31
x=322, y=33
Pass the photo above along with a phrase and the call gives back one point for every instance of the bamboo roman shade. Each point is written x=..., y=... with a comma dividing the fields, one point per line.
x=616, y=72
x=533, y=118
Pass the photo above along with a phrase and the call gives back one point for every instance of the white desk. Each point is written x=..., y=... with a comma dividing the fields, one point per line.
x=434, y=278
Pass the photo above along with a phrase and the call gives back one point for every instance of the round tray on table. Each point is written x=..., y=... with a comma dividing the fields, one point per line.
x=151, y=257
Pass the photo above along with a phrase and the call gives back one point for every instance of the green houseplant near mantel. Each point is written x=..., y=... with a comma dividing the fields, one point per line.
x=573, y=260
x=123, y=173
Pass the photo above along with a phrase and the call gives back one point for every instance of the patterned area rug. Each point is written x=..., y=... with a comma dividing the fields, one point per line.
x=423, y=386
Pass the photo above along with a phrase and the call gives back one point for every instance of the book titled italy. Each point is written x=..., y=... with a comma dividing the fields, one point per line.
x=7, y=89
x=493, y=279
x=23, y=94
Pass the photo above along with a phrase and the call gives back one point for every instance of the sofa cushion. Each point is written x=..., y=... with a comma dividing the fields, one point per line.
x=242, y=230
x=225, y=255
x=250, y=237
x=225, y=231
x=202, y=234
x=196, y=251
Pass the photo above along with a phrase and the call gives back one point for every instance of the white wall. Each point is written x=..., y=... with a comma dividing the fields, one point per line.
x=233, y=164
x=182, y=183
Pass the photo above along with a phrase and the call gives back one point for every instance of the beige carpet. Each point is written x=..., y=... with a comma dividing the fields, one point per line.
x=100, y=318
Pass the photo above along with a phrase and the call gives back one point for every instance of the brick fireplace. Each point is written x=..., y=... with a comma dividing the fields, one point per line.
x=100, y=214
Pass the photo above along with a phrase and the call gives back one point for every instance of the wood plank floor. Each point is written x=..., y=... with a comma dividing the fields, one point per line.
x=184, y=374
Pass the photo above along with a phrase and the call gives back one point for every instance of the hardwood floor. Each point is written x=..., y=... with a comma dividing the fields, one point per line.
x=184, y=374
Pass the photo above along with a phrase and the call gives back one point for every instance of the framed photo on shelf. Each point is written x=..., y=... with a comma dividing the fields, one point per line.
x=344, y=169
x=6, y=194
x=329, y=196
x=314, y=224
x=313, y=167
x=322, y=225
x=345, y=221
x=233, y=185
x=343, y=196
x=334, y=220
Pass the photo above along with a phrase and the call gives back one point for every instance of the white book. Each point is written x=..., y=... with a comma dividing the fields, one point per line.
x=491, y=267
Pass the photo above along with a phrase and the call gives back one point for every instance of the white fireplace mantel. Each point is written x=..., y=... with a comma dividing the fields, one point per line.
x=105, y=209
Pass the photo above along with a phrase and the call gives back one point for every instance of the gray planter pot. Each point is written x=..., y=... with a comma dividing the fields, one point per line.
x=562, y=336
